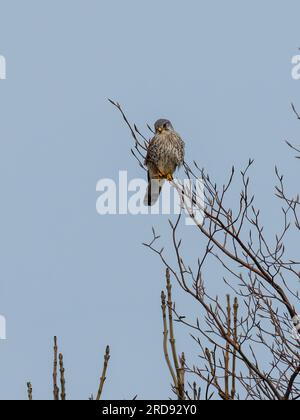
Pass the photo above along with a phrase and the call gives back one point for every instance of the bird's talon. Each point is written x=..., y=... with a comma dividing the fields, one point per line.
x=170, y=178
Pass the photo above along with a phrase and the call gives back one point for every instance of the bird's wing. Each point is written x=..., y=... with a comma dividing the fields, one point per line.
x=151, y=151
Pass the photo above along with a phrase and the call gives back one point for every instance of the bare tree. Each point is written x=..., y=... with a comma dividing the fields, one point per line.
x=248, y=349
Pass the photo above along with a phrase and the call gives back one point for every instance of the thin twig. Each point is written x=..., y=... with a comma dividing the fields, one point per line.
x=55, y=363
x=227, y=354
x=62, y=377
x=165, y=339
x=235, y=338
x=104, y=371
x=29, y=391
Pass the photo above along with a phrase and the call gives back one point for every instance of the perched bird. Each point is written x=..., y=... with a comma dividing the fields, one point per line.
x=164, y=155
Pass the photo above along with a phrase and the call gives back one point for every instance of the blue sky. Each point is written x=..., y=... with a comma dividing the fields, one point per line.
x=221, y=71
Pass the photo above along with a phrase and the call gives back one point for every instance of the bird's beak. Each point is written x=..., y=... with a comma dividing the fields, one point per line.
x=160, y=129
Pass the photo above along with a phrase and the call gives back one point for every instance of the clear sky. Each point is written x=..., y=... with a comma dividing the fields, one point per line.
x=220, y=70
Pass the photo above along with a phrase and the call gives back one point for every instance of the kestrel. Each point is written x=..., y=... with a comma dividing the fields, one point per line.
x=165, y=154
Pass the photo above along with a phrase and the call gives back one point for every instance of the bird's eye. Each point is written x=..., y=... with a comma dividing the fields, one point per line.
x=166, y=125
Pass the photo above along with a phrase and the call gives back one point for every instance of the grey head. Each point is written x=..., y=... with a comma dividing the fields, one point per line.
x=163, y=125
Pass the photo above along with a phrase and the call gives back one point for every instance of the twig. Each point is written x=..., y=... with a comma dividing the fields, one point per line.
x=227, y=354
x=103, y=376
x=29, y=391
x=55, y=387
x=62, y=377
x=178, y=368
x=165, y=340
x=235, y=338
x=181, y=382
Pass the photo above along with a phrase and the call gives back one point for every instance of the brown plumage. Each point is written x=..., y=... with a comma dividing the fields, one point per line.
x=165, y=154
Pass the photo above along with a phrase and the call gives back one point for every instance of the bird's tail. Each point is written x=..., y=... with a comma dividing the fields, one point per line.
x=153, y=191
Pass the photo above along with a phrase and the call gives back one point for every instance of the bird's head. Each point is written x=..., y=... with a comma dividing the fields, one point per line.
x=163, y=125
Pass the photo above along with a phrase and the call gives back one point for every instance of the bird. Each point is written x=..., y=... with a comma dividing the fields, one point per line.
x=165, y=154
